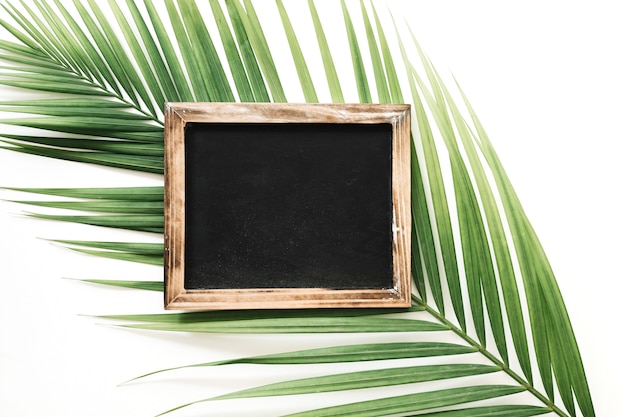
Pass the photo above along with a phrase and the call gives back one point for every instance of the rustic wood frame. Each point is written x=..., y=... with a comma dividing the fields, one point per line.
x=176, y=117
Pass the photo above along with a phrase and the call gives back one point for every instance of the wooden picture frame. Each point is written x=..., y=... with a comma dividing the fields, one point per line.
x=350, y=160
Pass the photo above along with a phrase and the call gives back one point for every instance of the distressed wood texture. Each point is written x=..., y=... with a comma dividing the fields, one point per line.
x=177, y=115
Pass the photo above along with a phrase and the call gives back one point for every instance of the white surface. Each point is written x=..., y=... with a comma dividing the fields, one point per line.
x=547, y=80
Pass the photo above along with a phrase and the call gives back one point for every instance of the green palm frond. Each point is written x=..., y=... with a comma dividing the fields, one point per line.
x=105, y=82
x=138, y=285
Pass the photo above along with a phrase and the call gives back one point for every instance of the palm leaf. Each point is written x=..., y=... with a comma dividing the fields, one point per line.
x=414, y=402
x=168, y=67
x=301, y=67
x=329, y=66
x=110, y=159
x=337, y=354
x=151, y=249
x=232, y=315
x=123, y=256
x=141, y=223
x=254, y=34
x=357, y=61
x=356, y=380
x=112, y=206
x=535, y=267
x=107, y=91
x=298, y=326
x=116, y=193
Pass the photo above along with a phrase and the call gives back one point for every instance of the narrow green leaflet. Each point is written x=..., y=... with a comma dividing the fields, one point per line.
x=114, y=193
x=80, y=110
x=34, y=29
x=364, y=379
x=149, y=47
x=132, y=82
x=146, y=253
x=298, y=57
x=422, y=239
x=177, y=76
x=71, y=41
x=153, y=249
x=466, y=214
x=255, y=36
x=232, y=315
x=442, y=216
x=148, y=73
x=346, y=353
x=357, y=59
x=413, y=402
x=122, y=207
x=17, y=48
x=395, y=89
x=423, y=134
x=205, y=56
x=298, y=325
x=356, y=380
x=379, y=73
x=86, y=102
x=46, y=37
x=329, y=66
x=121, y=147
x=535, y=267
x=200, y=90
x=94, y=126
x=138, y=285
x=237, y=70
x=123, y=256
x=29, y=44
x=115, y=160
x=95, y=64
x=117, y=68
x=257, y=83
x=493, y=411
x=417, y=271
x=498, y=240
x=42, y=63
x=67, y=42
x=389, y=90
x=140, y=223
x=478, y=264
x=50, y=83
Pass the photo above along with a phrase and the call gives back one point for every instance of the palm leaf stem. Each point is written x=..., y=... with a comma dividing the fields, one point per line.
x=494, y=359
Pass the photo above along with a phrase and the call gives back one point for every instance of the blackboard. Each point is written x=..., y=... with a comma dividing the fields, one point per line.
x=286, y=206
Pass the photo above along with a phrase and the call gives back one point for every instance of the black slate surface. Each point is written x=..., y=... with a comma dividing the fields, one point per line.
x=288, y=206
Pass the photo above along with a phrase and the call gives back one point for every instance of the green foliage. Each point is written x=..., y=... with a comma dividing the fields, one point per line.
x=108, y=79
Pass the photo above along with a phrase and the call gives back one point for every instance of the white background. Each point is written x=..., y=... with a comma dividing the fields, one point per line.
x=547, y=80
